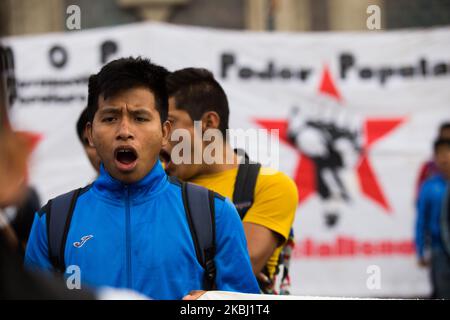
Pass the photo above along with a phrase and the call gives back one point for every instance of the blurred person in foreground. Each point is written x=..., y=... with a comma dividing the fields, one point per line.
x=15, y=282
x=15, y=150
x=18, y=215
x=433, y=197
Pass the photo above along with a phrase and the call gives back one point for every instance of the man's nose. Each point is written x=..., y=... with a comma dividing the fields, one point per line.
x=125, y=130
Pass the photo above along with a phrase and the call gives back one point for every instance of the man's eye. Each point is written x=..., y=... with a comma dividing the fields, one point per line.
x=108, y=119
x=141, y=119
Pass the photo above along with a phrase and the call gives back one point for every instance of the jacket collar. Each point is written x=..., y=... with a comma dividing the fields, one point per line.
x=153, y=183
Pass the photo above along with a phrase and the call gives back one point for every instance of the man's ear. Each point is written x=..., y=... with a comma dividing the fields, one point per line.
x=166, y=131
x=88, y=130
x=210, y=120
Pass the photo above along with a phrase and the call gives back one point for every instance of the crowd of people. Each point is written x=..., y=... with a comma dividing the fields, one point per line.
x=160, y=227
x=147, y=222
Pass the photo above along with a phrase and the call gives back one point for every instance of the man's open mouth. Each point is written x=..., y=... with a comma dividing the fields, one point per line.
x=126, y=158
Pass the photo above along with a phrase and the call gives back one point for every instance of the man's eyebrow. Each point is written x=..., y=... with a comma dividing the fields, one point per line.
x=141, y=111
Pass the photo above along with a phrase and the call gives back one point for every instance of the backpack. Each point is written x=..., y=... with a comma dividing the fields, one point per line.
x=199, y=207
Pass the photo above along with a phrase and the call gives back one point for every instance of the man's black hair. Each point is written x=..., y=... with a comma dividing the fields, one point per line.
x=127, y=73
x=440, y=143
x=196, y=91
x=444, y=126
x=81, y=125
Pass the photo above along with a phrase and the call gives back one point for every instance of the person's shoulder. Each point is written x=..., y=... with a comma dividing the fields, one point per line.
x=178, y=184
x=274, y=179
x=433, y=183
x=223, y=206
x=433, y=180
x=68, y=196
x=274, y=175
x=430, y=164
x=223, y=203
x=43, y=210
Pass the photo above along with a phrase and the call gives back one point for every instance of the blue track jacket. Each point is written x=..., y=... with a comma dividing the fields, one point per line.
x=137, y=236
x=429, y=210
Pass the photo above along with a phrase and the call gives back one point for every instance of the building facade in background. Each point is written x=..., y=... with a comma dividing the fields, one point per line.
x=18, y=17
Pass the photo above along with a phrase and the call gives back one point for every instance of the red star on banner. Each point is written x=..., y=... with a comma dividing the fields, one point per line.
x=374, y=130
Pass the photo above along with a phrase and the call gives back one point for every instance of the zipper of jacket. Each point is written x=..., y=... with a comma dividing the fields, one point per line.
x=128, y=235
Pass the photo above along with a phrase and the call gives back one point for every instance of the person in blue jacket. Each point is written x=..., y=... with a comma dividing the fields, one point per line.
x=129, y=229
x=433, y=197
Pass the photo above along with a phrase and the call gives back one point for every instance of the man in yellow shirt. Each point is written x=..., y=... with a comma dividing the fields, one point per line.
x=194, y=95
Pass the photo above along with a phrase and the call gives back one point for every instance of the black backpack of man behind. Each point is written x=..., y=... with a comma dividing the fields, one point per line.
x=243, y=198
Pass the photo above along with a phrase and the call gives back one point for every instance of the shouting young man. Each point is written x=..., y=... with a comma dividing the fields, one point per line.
x=130, y=228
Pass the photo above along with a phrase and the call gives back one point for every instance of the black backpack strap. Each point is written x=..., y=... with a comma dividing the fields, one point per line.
x=445, y=221
x=59, y=215
x=199, y=207
x=244, y=186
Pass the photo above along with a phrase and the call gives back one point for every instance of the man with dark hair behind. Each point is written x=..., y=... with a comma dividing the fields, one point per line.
x=90, y=151
x=194, y=95
x=129, y=229
x=433, y=198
